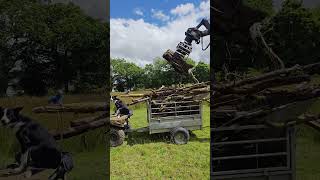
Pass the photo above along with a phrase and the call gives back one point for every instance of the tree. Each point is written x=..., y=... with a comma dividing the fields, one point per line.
x=232, y=44
x=202, y=72
x=58, y=43
x=127, y=71
x=127, y=75
x=294, y=34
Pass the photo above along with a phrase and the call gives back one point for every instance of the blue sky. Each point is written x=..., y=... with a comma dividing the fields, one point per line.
x=128, y=8
x=142, y=30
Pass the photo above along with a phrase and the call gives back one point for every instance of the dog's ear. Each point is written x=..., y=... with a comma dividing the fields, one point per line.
x=17, y=110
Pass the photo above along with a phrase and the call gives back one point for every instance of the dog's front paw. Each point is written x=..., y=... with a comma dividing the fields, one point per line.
x=28, y=174
x=17, y=170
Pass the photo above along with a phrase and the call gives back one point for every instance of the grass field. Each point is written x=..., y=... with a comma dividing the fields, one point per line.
x=145, y=156
x=308, y=153
x=308, y=150
x=89, y=150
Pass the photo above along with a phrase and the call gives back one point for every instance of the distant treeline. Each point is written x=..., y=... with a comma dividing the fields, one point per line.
x=59, y=45
x=127, y=75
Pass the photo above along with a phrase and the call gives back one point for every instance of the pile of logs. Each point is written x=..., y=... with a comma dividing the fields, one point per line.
x=194, y=92
x=285, y=93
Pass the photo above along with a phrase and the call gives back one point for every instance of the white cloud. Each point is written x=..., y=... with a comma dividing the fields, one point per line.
x=138, y=11
x=183, y=9
x=158, y=14
x=139, y=41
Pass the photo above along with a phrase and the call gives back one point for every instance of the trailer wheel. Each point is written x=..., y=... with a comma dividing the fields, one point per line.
x=180, y=135
x=116, y=137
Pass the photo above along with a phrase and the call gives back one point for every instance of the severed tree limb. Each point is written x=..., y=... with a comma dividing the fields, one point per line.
x=75, y=108
x=308, y=69
x=310, y=119
x=77, y=130
x=255, y=32
x=138, y=101
x=179, y=64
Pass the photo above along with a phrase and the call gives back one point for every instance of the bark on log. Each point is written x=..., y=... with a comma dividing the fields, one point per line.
x=268, y=83
x=308, y=69
x=138, y=101
x=75, y=108
x=177, y=63
x=74, y=131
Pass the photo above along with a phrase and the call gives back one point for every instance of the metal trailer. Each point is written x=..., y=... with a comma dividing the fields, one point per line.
x=268, y=155
x=165, y=116
x=177, y=118
x=255, y=151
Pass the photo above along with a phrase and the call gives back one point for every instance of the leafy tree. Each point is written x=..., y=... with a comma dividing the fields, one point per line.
x=153, y=75
x=202, y=72
x=129, y=72
x=295, y=34
x=58, y=43
x=265, y=6
x=292, y=33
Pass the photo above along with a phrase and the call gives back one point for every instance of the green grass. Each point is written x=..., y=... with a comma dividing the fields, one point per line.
x=145, y=156
x=308, y=153
x=89, y=149
x=308, y=150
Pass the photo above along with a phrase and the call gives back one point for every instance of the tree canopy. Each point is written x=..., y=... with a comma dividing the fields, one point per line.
x=128, y=75
x=59, y=44
x=292, y=32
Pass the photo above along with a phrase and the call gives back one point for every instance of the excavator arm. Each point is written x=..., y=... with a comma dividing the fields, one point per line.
x=183, y=49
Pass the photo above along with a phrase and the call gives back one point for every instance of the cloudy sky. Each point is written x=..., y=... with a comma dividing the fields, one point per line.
x=141, y=30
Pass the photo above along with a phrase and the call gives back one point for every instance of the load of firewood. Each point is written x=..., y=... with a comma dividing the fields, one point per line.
x=194, y=92
x=277, y=98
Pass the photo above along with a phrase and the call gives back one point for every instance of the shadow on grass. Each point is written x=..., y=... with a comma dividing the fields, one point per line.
x=135, y=138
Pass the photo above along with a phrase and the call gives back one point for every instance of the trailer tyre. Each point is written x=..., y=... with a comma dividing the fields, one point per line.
x=180, y=135
x=116, y=137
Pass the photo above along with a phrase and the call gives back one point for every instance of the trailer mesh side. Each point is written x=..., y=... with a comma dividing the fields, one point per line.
x=252, y=151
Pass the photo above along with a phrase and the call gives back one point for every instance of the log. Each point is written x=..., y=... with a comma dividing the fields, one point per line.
x=310, y=119
x=82, y=121
x=247, y=98
x=176, y=62
x=308, y=69
x=132, y=95
x=74, y=131
x=268, y=83
x=138, y=101
x=5, y=174
x=75, y=108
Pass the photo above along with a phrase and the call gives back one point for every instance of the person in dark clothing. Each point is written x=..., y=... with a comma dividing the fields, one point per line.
x=121, y=110
x=57, y=99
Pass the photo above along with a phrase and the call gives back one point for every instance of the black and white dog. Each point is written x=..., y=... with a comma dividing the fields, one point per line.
x=39, y=149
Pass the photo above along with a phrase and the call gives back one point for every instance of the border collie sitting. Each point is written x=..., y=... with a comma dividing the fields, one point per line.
x=39, y=149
